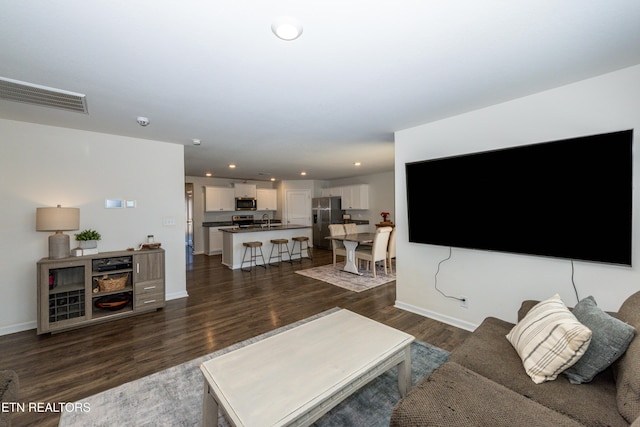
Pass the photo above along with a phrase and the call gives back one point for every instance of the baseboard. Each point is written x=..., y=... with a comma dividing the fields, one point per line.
x=176, y=295
x=20, y=327
x=436, y=316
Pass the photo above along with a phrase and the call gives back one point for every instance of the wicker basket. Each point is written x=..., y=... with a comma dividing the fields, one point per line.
x=108, y=283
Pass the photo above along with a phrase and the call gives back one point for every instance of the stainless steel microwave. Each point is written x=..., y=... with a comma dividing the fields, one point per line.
x=246, y=204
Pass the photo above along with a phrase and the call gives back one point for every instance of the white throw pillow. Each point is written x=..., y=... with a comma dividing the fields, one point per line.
x=549, y=339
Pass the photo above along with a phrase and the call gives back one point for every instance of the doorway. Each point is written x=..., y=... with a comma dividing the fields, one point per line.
x=188, y=234
x=298, y=207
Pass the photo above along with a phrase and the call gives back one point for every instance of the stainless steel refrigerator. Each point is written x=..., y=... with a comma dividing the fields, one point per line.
x=325, y=210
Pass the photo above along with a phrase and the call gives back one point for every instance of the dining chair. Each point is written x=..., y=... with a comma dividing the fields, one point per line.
x=377, y=251
x=350, y=228
x=337, y=245
x=391, y=249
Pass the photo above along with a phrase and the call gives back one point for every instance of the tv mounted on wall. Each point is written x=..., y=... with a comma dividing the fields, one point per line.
x=569, y=199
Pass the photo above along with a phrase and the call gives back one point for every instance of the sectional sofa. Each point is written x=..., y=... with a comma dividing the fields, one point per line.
x=485, y=381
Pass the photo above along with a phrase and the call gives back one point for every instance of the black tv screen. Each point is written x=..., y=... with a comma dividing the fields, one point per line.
x=568, y=199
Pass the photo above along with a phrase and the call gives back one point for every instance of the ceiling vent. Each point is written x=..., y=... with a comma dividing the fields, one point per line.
x=14, y=90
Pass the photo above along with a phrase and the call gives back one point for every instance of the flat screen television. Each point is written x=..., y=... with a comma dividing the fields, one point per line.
x=569, y=199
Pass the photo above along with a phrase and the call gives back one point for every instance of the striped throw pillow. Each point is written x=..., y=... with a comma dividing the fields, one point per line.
x=549, y=339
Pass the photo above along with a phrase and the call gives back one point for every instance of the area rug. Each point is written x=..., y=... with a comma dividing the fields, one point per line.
x=173, y=397
x=338, y=277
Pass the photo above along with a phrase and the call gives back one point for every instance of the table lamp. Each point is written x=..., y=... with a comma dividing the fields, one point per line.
x=58, y=219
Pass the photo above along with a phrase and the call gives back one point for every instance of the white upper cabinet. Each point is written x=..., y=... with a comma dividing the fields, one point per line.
x=267, y=199
x=332, y=192
x=245, y=190
x=355, y=197
x=218, y=199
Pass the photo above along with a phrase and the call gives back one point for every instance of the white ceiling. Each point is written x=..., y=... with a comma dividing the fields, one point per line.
x=361, y=70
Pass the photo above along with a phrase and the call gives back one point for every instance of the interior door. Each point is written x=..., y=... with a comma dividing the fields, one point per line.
x=298, y=207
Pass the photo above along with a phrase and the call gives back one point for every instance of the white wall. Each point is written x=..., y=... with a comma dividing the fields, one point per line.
x=46, y=166
x=495, y=283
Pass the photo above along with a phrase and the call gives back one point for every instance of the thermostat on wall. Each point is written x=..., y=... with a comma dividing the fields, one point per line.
x=113, y=203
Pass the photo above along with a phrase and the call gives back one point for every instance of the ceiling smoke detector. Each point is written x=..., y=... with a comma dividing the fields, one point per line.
x=143, y=121
x=286, y=28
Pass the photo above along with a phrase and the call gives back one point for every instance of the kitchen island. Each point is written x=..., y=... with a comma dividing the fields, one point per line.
x=234, y=237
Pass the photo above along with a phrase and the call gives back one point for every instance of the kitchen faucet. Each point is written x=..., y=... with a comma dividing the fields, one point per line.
x=266, y=216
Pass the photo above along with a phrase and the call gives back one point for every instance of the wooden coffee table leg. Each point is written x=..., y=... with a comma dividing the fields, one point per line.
x=404, y=372
x=209, y=408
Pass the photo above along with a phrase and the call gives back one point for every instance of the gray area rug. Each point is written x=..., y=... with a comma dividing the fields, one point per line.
x=173, y=397
x=338, y=277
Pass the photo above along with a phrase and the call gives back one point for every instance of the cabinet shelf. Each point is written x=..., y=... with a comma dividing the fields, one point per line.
x=69, y=287
x=109, y=273
x=98, y=313
x=127, y=288
x=66, y=288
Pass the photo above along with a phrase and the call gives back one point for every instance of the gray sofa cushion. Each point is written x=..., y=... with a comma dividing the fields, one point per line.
x=489, y=353
x=610, y=339
x=627, y=368
x=455, y=396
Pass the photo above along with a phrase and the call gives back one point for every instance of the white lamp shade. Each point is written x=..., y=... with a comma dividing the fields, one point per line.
x=57, y=219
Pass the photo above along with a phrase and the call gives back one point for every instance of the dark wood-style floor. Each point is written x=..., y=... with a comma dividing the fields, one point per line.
x=223, y=307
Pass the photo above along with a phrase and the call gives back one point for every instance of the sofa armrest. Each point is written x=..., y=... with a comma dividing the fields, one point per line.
x=525, y=307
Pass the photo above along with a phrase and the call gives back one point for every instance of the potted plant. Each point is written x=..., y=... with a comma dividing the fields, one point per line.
x=88, y=239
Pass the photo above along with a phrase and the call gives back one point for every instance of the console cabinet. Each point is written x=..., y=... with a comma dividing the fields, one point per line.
x=68, y=289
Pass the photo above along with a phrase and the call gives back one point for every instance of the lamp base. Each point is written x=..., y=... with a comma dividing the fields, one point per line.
x=59, y=245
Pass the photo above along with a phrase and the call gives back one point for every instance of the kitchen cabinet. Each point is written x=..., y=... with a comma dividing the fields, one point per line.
x=267, y=199
x=247, y=191
x=215, y=240
x=355, y=197
x=332, y=192
x=218, y=199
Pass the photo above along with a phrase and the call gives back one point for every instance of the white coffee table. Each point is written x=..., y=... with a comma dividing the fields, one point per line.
x=296, y=376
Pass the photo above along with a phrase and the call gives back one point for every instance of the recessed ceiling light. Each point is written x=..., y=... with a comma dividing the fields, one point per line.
x=208, y=174
x=196, y=141
x=232, y=166
x=273, y=179
x=286, y=28
x=303, y=173
x=356, y=164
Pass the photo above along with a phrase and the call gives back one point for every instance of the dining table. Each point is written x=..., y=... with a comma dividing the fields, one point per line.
x=351, y=242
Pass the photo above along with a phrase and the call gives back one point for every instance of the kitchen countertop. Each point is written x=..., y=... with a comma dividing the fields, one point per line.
x=258, y=228
x=230, y=224
x=217, y=224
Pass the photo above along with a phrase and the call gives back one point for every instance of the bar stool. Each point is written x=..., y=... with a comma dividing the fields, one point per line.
x=253, y=247
x=299, y=240
x=279, y=243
